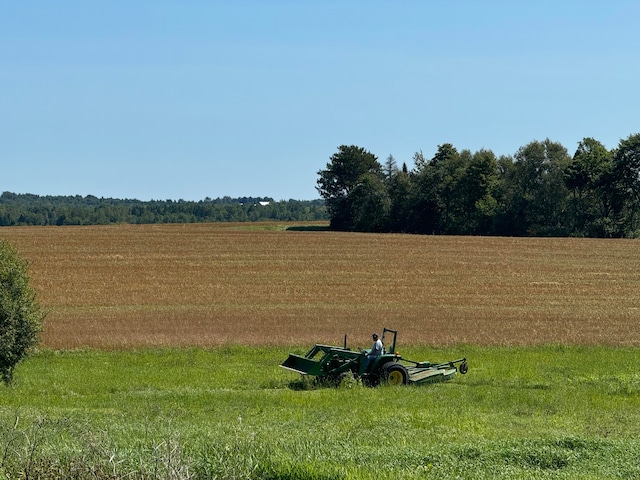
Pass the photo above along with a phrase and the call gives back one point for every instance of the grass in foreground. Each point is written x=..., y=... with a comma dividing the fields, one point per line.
x=535, y=412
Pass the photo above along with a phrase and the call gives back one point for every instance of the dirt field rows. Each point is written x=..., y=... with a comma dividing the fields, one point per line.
x=210, y=284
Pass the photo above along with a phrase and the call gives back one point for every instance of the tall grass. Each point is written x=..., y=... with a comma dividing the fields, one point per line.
x=230, y=412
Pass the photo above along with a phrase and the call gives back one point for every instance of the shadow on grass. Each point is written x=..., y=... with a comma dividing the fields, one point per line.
x=309, y=228
x=308, y=382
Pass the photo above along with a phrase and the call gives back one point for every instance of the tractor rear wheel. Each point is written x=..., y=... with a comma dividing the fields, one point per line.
x=395, y=374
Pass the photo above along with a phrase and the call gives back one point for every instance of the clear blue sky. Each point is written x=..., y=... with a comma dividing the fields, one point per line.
x=194, y=99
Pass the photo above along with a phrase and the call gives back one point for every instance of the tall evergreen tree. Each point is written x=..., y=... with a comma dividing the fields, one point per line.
x=390, y=168
x=400, y=209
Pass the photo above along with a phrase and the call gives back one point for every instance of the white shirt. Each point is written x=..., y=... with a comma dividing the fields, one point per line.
x=376, y=349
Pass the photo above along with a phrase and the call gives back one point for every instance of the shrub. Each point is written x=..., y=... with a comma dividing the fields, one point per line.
x=21, y=318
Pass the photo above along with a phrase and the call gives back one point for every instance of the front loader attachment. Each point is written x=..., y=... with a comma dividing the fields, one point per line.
x=302, y=365
x=324, y=360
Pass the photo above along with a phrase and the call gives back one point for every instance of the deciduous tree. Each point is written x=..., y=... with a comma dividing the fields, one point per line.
x=588, y=179
x=541, y=194
x=626, y=178
x=345, y=172
x=21, y=317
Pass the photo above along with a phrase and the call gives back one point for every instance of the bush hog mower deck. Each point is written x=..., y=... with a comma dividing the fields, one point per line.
x=331, y=364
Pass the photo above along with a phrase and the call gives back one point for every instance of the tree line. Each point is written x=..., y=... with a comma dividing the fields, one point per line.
x=540, y=191
x=29, y=209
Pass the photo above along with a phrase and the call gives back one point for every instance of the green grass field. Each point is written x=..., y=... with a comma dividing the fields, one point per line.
x=161, y=350
x=231, y=412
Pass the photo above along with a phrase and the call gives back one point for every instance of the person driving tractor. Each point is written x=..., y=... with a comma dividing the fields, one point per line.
x=376, y=350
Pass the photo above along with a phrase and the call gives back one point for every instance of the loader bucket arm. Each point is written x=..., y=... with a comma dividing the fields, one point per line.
x=331, y=360
x=302, y=365
x=306, y=365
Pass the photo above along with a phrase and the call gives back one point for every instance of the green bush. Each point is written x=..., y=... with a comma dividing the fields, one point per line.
x=21, y=317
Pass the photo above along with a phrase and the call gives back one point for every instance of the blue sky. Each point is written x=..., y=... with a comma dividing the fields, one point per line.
x=195, y=99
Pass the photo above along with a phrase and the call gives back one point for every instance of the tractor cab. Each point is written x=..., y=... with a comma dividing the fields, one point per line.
x=388, y=340
x=374, y=368
x=392, y=348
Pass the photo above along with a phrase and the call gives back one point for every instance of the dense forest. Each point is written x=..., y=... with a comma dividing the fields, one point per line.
x=540, y=191
x=28, y=209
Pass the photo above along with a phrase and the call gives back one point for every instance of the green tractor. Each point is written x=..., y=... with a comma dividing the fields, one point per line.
x=330, y=364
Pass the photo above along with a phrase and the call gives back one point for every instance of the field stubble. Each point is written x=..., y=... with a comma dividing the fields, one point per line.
x=133, y=286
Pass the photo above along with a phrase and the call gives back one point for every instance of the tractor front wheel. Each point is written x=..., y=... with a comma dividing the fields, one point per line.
x=395, y=374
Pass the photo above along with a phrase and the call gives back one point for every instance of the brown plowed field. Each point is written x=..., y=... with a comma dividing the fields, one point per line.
x=210, y=284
